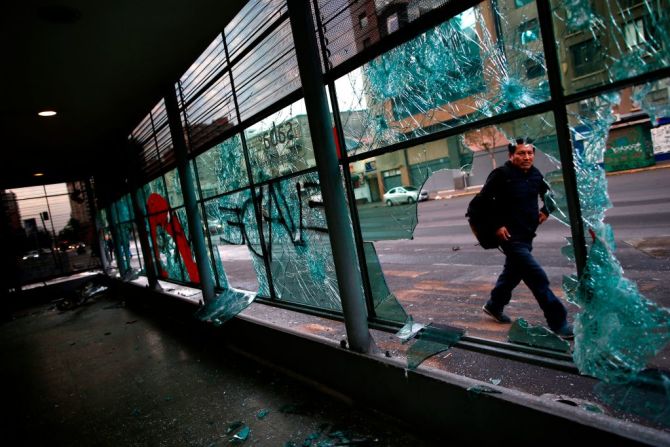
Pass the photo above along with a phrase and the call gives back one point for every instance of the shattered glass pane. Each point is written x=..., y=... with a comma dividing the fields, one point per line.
x=225, y=306
x=173, y=184
x=222, y=168
x=647, y=394
x=610, y=40
x=386, y=304
x=231, y=223
x=157, y=186
x=539, y=336
x=470, y=67
x=298, y=244
x=168, y=234
x=619, y=329
x=432, y=340
x=280, y=144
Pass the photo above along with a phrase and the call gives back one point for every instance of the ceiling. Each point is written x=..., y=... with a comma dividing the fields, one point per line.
x=101, y=65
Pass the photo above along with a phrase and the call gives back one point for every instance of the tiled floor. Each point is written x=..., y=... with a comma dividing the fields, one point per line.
x=103, y=374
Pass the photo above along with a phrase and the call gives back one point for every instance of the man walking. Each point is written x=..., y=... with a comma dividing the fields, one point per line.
x=514, y=189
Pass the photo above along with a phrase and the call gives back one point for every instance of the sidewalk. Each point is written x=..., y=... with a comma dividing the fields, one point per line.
x=472, y=190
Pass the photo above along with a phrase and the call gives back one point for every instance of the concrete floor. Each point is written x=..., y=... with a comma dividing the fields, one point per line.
x=103, y=374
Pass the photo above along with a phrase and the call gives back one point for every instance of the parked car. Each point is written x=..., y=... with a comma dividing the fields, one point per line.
x=404, y=194
x=32, y=254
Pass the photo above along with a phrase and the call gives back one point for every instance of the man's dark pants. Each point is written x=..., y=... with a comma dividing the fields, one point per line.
x=520, y=265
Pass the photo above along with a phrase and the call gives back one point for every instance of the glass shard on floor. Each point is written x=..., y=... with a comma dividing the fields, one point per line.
x=432, y=340
x=538, y=336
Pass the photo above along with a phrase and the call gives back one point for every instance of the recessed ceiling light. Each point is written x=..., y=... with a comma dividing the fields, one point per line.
x=38, y=174
x=46, y=113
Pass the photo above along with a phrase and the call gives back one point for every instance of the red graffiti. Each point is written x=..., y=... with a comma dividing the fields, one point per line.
x=161, y=215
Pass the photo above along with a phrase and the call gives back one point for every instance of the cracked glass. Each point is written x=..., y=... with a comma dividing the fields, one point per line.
x=485, y=61
x=280, y=144
x=168, y=232
x=619, y=330
x=297, y=242
x=233, y=231
x=610, y=40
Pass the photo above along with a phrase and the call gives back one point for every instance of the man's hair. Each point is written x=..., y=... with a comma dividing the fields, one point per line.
x=511, y=147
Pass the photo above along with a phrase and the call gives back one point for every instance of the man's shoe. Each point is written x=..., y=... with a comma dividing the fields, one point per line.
x=565, y=332
x=499, y=317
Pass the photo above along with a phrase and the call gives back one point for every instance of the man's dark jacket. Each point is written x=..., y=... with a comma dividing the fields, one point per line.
x=514, y=194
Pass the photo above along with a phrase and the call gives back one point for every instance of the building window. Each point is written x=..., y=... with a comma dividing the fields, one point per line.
x=392, y=23
x=634, y=33
x=534, y=67
x=520, y=3
x=587, y=57
x=529, y=31
x=363, y=20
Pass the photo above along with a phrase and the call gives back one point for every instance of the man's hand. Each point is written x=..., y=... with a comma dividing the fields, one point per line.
x=543, y=217
x=503, y=234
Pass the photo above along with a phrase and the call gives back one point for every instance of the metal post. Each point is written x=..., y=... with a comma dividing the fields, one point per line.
x=332, y=191
x=116, y=239
x=190, y=199
x=562, y=132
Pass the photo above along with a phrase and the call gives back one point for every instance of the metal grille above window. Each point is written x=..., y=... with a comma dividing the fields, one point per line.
x=250, y=23
x=153, y=135
x=268, y=73
x=350, y=26
x=210, y=64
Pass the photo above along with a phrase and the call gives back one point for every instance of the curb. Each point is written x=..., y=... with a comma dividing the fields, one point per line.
x=450, y=193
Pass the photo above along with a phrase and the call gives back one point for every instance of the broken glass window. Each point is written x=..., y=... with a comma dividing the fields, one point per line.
x=619, y=329
x=470, y=67
x=297, y=242
x=173, y=186
x=231, y=223
x=610, y=40
x=539, y=336
x=386, y=305
x=222, y=168
x=280, y=144
x=168, y=234
x=432, y=340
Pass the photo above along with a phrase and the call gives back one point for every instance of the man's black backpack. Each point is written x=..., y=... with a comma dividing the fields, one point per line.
x=479, y=214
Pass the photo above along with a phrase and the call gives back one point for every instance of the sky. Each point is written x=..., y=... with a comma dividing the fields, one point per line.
x=32, y=201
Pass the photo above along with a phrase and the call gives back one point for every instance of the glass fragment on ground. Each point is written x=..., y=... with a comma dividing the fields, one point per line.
x=538, y=336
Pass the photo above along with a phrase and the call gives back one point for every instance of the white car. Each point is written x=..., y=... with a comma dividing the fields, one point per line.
x=404, y=194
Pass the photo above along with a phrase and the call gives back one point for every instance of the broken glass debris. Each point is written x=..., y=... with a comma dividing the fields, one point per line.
x=431, y=340
x=225, y=306
x=538, y=336
x=575, y=402
x=647, y=394
x=262, y=413
x=241, y=435
x=483, y=389
x=386, y=304
x=618, y=329
x=409, y=330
